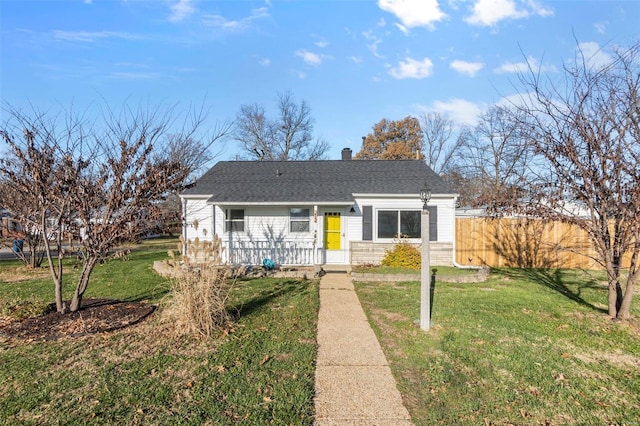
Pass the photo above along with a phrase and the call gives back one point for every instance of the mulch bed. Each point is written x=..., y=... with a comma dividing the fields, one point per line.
x=95, y=316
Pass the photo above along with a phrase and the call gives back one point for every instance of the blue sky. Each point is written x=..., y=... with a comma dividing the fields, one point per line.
x=355, y=62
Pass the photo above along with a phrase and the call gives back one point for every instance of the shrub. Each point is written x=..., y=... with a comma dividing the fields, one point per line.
x=403, y=255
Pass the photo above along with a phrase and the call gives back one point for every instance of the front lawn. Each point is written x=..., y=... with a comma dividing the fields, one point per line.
x=261, y=372
x=524, y=348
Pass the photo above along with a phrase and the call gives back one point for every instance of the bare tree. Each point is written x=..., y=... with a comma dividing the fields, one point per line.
x=587, y=144
x=495, y=155
x=102, y=177
x=31, y=166
x=289, y=136
x=442, y=140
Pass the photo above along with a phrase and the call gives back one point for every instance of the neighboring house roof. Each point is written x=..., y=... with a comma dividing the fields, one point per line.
x=313, y=181
x=565, y=208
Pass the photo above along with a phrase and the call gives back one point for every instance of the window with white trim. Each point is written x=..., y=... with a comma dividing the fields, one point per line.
x=399, y=224
x=234, y=220
x=404, y=223
x=299, y=220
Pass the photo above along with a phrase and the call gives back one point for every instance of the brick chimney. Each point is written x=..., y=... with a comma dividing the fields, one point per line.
x=346, y=154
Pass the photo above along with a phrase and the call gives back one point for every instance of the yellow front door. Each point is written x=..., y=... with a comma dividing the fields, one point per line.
x=332, y=231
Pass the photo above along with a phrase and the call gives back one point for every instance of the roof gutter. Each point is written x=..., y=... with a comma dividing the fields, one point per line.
x=412, y=195
x=195, y=196
x=282, y=203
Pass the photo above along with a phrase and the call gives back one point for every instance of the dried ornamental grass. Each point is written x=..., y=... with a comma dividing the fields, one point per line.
x=199, y=295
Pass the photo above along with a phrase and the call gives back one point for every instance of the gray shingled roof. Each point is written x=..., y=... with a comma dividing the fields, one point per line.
x=313, y=181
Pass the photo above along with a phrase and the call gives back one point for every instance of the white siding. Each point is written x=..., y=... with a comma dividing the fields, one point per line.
x=198, y=210
x=446, y=220
x=354, y=226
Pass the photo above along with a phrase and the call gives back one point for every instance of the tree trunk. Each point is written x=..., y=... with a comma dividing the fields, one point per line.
x=614, y=285
x=83, y=281
x=55, y=269
x=625, y=307
x=61, y=307
x=613, y=298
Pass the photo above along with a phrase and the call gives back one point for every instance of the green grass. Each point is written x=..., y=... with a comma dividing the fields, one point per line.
x=262, y=372
x=132, y=279
x=526, y=347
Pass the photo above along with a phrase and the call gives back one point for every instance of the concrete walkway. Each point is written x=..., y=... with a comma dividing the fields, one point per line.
x=354, y=384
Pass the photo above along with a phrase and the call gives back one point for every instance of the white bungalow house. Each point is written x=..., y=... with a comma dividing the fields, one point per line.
x=337, y=212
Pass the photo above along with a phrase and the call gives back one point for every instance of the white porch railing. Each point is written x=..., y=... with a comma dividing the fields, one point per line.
x=281, y=252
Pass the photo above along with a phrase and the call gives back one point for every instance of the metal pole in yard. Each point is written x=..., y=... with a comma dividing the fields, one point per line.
x=425, y=278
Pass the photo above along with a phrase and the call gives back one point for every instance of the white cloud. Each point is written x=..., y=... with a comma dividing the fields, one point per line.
x=594, y=56
x=601, y=27
x=523, y=67
x=490, y=12
x=412, y=69
x=459, y=110
x=322, y=43
x=310, y=58
x=356, y=59
x=524, y=100
x=467, y=68
x=512, y=68
x=538, y=9
x=373, y=42
x=219, y=21
x=414, y=13
x=181, y=10
x=92, y=36
x=134, y=76
x=265, y=62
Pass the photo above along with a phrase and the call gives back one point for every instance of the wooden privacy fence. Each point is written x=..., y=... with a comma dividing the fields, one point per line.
x=523, y=242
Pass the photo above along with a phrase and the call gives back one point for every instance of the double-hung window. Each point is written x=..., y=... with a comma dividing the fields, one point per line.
x=298, y=220
x=234, y=220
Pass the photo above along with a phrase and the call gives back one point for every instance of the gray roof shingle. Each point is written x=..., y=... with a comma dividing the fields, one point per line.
x=313, y=181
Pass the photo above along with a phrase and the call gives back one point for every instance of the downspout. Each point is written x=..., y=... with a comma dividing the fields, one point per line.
x=457, y=265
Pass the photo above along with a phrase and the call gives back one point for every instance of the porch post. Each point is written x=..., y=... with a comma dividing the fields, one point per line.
x=314, y=255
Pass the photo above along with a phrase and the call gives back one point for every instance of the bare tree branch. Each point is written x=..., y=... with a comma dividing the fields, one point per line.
x=287, y=137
